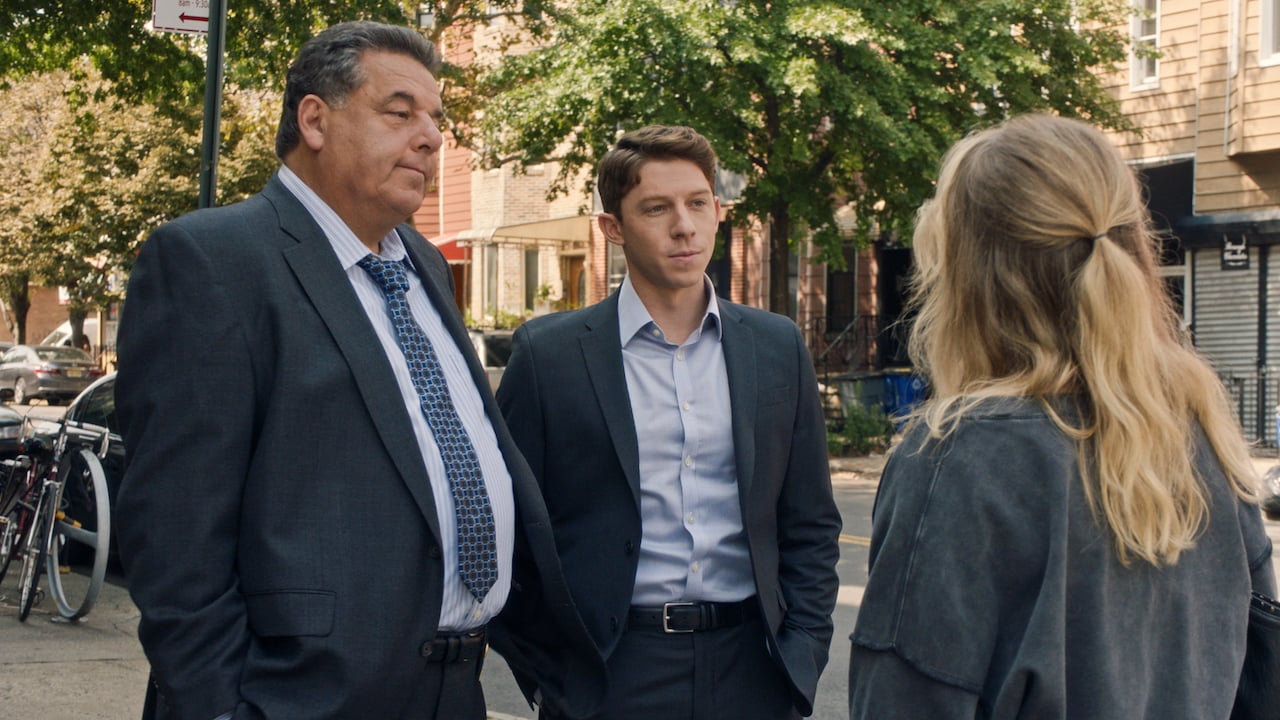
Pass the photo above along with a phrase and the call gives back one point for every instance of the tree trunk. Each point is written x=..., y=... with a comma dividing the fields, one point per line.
x=779, y=232
x=76, y=318
x=17, y=299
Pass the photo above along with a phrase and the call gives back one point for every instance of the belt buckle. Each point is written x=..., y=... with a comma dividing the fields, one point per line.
x=666, y=616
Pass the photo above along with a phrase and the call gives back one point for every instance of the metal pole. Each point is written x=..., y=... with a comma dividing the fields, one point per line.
x=212, y=103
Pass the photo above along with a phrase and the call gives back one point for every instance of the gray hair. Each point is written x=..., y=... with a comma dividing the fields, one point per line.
x=328, y=66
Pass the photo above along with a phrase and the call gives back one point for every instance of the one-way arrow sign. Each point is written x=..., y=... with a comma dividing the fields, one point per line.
x=188, y=16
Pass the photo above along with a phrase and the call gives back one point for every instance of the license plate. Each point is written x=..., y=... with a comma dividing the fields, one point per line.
x=75, y=373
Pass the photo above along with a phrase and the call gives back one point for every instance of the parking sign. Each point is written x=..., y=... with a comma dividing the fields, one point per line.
x=187, y=16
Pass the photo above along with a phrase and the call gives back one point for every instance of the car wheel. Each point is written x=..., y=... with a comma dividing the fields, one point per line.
x=20, y=392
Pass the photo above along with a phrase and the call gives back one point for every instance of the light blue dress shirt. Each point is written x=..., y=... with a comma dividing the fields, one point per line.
x=460, y=611
x=693, y=545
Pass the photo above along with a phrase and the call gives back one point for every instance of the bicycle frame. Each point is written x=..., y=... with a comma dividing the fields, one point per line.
x=46, y=528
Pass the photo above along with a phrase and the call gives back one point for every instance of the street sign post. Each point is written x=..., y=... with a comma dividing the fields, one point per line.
x=203, y=17
x=186, y=16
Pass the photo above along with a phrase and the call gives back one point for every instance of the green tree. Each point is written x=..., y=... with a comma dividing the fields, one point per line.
x=817, y=103
x=100, y=118
x=262, y=37
x=109, y=170
x=29, y=113
x=87, y=175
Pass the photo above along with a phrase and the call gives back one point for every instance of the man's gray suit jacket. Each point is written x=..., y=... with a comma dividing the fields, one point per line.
x=564, y=395
x=276, y=520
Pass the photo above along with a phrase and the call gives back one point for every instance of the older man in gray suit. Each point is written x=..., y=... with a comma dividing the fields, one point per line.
x=680, y=445
x=324, y=515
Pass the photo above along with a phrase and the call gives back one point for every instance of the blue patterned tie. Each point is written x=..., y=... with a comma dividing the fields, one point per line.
x=477, y=548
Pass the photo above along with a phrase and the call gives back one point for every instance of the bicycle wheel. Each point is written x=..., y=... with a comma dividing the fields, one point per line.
x=34, y=545
x=81, y=531
x=12, y=512
x=8, y=539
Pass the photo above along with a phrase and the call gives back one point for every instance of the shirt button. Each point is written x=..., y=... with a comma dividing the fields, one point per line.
x=692, y=518
x=695, y=567
x=679, y=354
x=684, y=405
x=656, y=332
x=476, y=614
x=688, y=461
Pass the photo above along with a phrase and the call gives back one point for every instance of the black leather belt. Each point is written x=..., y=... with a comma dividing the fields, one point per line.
x=459, y=647
x=686, y=617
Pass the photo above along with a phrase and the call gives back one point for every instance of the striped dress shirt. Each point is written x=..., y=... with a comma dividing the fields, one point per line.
x=459, y=611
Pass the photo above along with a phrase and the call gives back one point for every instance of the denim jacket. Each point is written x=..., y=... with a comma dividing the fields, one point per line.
x=995, y=592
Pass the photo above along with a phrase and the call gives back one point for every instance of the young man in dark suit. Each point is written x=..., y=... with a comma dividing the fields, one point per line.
x=324, y=513
x=680, y=446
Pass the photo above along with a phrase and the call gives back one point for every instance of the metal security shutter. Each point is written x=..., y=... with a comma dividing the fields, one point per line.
x=1225, y=323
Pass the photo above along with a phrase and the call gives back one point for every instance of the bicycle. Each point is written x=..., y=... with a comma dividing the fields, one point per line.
x=14, y=515
x=70, y=512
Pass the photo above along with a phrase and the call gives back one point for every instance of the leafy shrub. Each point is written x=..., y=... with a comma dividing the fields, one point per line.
x=864, y=430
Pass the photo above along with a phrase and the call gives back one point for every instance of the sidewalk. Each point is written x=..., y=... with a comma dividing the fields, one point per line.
x=92, y=670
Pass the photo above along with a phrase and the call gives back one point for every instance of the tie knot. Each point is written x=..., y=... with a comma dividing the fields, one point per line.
x=389, y=275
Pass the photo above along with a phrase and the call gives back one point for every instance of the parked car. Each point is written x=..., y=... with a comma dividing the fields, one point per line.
x=97, y=406
x=61, y=335
x=55, y=374
x=11, y=427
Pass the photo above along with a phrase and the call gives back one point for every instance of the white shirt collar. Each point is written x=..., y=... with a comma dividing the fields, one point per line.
x=345, y=243
x=633, y=315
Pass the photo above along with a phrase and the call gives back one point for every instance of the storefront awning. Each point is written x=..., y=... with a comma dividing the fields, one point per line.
x=574, y=231
x=449, y=246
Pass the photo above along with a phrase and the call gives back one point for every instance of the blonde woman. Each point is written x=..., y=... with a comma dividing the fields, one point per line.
x=1069, y=527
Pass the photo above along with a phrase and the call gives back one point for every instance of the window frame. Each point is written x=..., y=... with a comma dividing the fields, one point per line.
x=1139, y=78
x=1269, y=40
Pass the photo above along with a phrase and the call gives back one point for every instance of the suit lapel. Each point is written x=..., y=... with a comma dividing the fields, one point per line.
x=738, y=343
x=326, y=285
x=602, y=353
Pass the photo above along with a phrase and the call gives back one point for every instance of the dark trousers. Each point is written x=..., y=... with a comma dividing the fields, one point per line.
x=723, y=674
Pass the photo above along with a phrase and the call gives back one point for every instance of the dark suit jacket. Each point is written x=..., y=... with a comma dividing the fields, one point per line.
x=564, y=394
x=276, y=520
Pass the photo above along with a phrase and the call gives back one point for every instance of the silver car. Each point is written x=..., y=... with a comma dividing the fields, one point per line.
x=56, y=374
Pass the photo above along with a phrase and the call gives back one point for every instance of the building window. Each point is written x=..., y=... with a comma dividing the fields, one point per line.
x=1145, y=65
x=1269, y=53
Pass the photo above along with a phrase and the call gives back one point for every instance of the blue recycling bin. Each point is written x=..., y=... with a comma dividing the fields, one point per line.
x=902, y=392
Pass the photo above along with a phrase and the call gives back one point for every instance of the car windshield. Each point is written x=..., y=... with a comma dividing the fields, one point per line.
x=62, y=354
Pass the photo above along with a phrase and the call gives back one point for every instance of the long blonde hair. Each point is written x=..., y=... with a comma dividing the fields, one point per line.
x=1036, y=277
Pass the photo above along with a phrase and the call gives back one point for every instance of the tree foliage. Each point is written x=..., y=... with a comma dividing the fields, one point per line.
x=100, y=125
x=87, y=175
x=818, y=103
x=168, y=69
